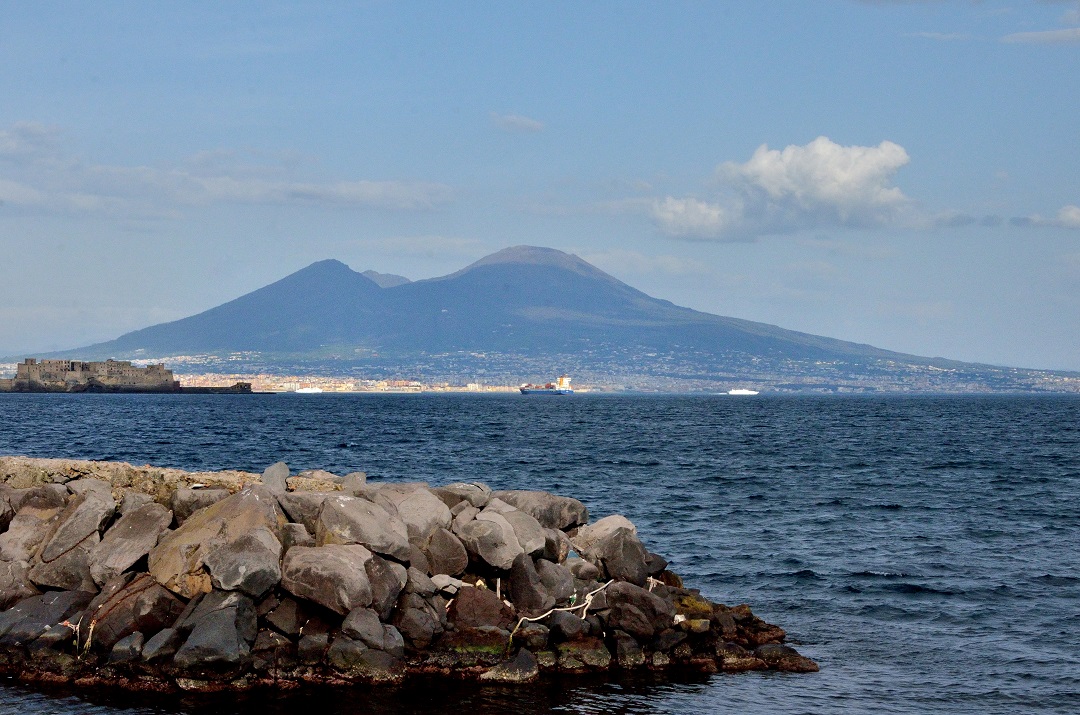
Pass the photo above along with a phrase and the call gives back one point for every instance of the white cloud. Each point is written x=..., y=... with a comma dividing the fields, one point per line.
x=1067, y=217
x=819, y=185
x=517, y=123
x=1067, y=36
x=41, y=178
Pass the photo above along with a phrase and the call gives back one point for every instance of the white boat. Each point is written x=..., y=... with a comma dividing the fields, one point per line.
x=308, y=390
x=741, y=391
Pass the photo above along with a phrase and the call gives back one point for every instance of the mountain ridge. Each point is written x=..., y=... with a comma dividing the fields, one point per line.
x=522, y=306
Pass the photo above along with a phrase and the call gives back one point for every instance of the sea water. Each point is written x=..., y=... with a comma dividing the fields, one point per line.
x=925, y=551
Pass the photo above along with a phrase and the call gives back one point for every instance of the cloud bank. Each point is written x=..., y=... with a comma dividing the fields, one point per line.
x=517, y=123
x=38, y=175
x=819, y=185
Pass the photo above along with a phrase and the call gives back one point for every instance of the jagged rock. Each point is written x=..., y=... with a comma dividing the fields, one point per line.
x=15, y=583
x=554, y=512
x=533, y=636
x=296, y=535
x=352, y=520
x=303, y=507
x=223, y=629
x=250, y=563
x=475, y=494
x=784, y=658
x=387, y=581
x=655, y=564
x=490, y=542
x=186, y=502
x=70, y=570
x=25, y=533
x=736, y=659
x=475, y=607
x=289, y=617
x=446, y=584
x=39, y=499
x=177, y=562
x=556, y=545
x=557, y=579
x=461, y=648
x=363, y=624
x=275, y=477
x=356, y=662
x=446, y=554
x=63, y=559
x=127, y=604
x=628, y=653
x=7, y=511
x=582, y=569
x=418, y=560
x=527, y=590
x=583, y=654
x=311, y=647
x=419, y=583
x=636, y=611
x=417, y=621
x=523, y=668
x=530, y=535
x=127, y=649
x=31, y=617
x=352, y=482
x=422, y=511
x=133, y=500
x=333, y=576
x=88, y=484
x=162, y=646
x=612, y=544
x=129, y=539
x=565, y=626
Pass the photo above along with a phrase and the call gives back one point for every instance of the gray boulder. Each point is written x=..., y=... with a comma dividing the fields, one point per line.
x=33, y=616
x=15, y=583
x=127, y=604
x=637, y=611
x=352, y=520
x=63, y=561
x=275, y=477
x=303, y=507
x=557, y=580
x=446, y=554
x=186, y=502
x=296, y=535
x=25, y=533
x=528, y=531
x=491, y=543
x=223, y=629
x=129, y=539
x=527, y=590
x=554, y=512
x=132, y=500
x=475, y=493
x=177, y=562
x=522, y=668
x=387, y=580
x=422, y=511
x=334, y=576
x=612, y=544
x=250, y=563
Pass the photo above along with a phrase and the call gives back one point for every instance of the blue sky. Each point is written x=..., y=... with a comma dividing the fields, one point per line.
x=904, y=174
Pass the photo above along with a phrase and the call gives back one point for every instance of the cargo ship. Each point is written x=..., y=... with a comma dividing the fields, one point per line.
x=561, y=386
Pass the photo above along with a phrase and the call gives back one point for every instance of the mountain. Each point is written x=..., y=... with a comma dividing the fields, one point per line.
x=521, y=312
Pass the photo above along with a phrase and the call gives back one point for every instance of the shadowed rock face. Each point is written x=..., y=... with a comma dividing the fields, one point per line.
x=402, y=579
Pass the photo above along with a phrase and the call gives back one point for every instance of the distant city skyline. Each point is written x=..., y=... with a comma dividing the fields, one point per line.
x=903, y=174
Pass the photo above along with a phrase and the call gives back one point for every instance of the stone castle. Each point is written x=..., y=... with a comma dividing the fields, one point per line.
x=76, y=376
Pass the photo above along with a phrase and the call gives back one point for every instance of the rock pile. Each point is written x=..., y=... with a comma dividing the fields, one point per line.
x=159, y=579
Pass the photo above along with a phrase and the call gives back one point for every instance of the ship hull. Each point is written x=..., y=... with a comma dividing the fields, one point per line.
x=544, y=391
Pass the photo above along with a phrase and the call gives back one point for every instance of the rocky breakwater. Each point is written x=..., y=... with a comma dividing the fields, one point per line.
x=158, y=579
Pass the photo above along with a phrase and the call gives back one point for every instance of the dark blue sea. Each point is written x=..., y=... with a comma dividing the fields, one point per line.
x=925, y=551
